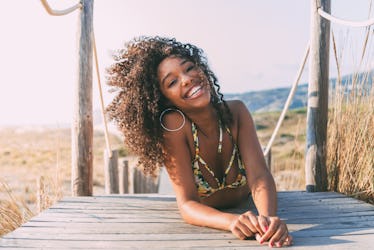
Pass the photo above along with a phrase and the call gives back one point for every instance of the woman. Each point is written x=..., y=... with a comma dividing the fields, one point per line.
x=171, y=112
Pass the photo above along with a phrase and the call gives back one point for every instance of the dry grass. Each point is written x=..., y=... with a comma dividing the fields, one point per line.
x=350, y=154
x=350, y=158
x=35, y=168
x=13, y=212
x=288, y=149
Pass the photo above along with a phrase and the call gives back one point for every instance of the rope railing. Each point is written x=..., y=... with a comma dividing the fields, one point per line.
x=53, y=12
x=330, y=18
x=106, y=133
x=65, y=12
x=333, y=19
x=288, y=102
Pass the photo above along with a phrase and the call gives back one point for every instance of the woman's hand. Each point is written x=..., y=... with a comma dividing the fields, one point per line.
x=246, y=225
x=263, y=228
x=275, y=231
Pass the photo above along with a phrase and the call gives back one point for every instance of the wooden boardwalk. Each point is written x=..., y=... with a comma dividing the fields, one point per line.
x=316, y=220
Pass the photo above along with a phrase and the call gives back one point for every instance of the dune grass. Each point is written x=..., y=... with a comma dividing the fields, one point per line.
x=350, y=157
x=14, y=212
x=35, y=167
x=350, y=144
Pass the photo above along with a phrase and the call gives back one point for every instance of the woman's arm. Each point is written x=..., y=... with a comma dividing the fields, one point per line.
x=178, y=164
x=260, y=180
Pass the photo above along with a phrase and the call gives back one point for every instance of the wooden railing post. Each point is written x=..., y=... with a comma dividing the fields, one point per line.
x=111, y=172
x=124, y=177
x=82, y=127
x=315, y=164
x=143, y=183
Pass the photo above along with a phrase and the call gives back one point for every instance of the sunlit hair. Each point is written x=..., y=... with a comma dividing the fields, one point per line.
x=139, y=102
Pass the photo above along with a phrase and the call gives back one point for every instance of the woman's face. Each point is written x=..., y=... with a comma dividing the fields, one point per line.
x=183, y=83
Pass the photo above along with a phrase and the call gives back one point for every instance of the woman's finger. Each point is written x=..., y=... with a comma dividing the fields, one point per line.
x=258, y=237
x=238, y=233
x=288, y=241
x=241, y=225
x=253, y=219
x=248, y=223
x=273, y=227
x=282, y=239
x=263, y=221
x=281, y=230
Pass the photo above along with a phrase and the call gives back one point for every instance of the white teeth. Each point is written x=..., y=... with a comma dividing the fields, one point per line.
x=193, y=91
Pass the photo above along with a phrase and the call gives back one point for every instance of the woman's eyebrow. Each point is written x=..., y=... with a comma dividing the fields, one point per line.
x=184, y=61
x=163, y=80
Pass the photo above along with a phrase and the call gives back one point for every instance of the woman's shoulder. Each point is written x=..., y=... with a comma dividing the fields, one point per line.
x=236, y=106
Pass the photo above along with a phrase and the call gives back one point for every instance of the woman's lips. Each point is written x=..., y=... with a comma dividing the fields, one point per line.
x=194, y=92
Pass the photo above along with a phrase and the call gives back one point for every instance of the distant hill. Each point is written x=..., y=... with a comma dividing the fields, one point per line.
x=274, y=99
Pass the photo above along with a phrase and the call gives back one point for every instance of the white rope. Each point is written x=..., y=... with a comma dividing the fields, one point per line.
x=67, y=11
x=288, y=102
x=59, y=12
x=107, y=141
x=345, y=22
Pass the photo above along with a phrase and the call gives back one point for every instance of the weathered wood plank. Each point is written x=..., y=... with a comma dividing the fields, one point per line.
x=336, y=242
x=329, y=221
x=176, y=227
x=350, y=222
x=162, y=236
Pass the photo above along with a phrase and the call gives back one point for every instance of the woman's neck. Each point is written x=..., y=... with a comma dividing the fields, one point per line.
x=205, y=120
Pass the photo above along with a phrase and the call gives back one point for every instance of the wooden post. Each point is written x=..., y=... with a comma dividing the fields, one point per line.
x=124, y=177
x=82, y=128
x=138, y=184
x=315, y=165
x=111, y=172
x=40, y=194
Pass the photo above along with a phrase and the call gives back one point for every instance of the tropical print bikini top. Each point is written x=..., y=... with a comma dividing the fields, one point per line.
x=203, y=187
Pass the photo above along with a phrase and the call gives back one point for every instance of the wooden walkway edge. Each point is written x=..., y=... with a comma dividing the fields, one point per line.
x=317, y=221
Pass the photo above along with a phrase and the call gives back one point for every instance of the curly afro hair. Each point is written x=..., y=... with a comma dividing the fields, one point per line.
x=139, y=102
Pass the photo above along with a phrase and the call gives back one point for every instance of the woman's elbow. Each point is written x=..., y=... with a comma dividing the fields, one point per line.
x=186, y=211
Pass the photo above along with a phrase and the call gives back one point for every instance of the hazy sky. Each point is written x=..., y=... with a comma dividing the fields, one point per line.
x=251, y=45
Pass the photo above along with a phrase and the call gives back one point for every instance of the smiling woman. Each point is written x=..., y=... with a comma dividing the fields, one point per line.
x=171, y=113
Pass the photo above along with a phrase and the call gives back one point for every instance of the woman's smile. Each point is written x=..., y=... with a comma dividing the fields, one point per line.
x=194, y=92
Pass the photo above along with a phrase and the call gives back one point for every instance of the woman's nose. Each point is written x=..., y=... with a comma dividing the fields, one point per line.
x=186, y=80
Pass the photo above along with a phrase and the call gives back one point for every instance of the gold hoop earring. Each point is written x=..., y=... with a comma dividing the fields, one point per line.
x=172, y=109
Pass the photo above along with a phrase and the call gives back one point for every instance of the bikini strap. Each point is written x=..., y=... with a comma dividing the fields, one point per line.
x=195, y=139
x=220, y=137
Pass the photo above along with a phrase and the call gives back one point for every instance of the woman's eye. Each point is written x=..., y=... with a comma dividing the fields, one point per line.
x=190, y=67
x=172, y=83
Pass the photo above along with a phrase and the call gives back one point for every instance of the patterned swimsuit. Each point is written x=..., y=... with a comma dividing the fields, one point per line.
x=203, y=187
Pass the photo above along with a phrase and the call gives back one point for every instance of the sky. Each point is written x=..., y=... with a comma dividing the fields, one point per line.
x=251, y=45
